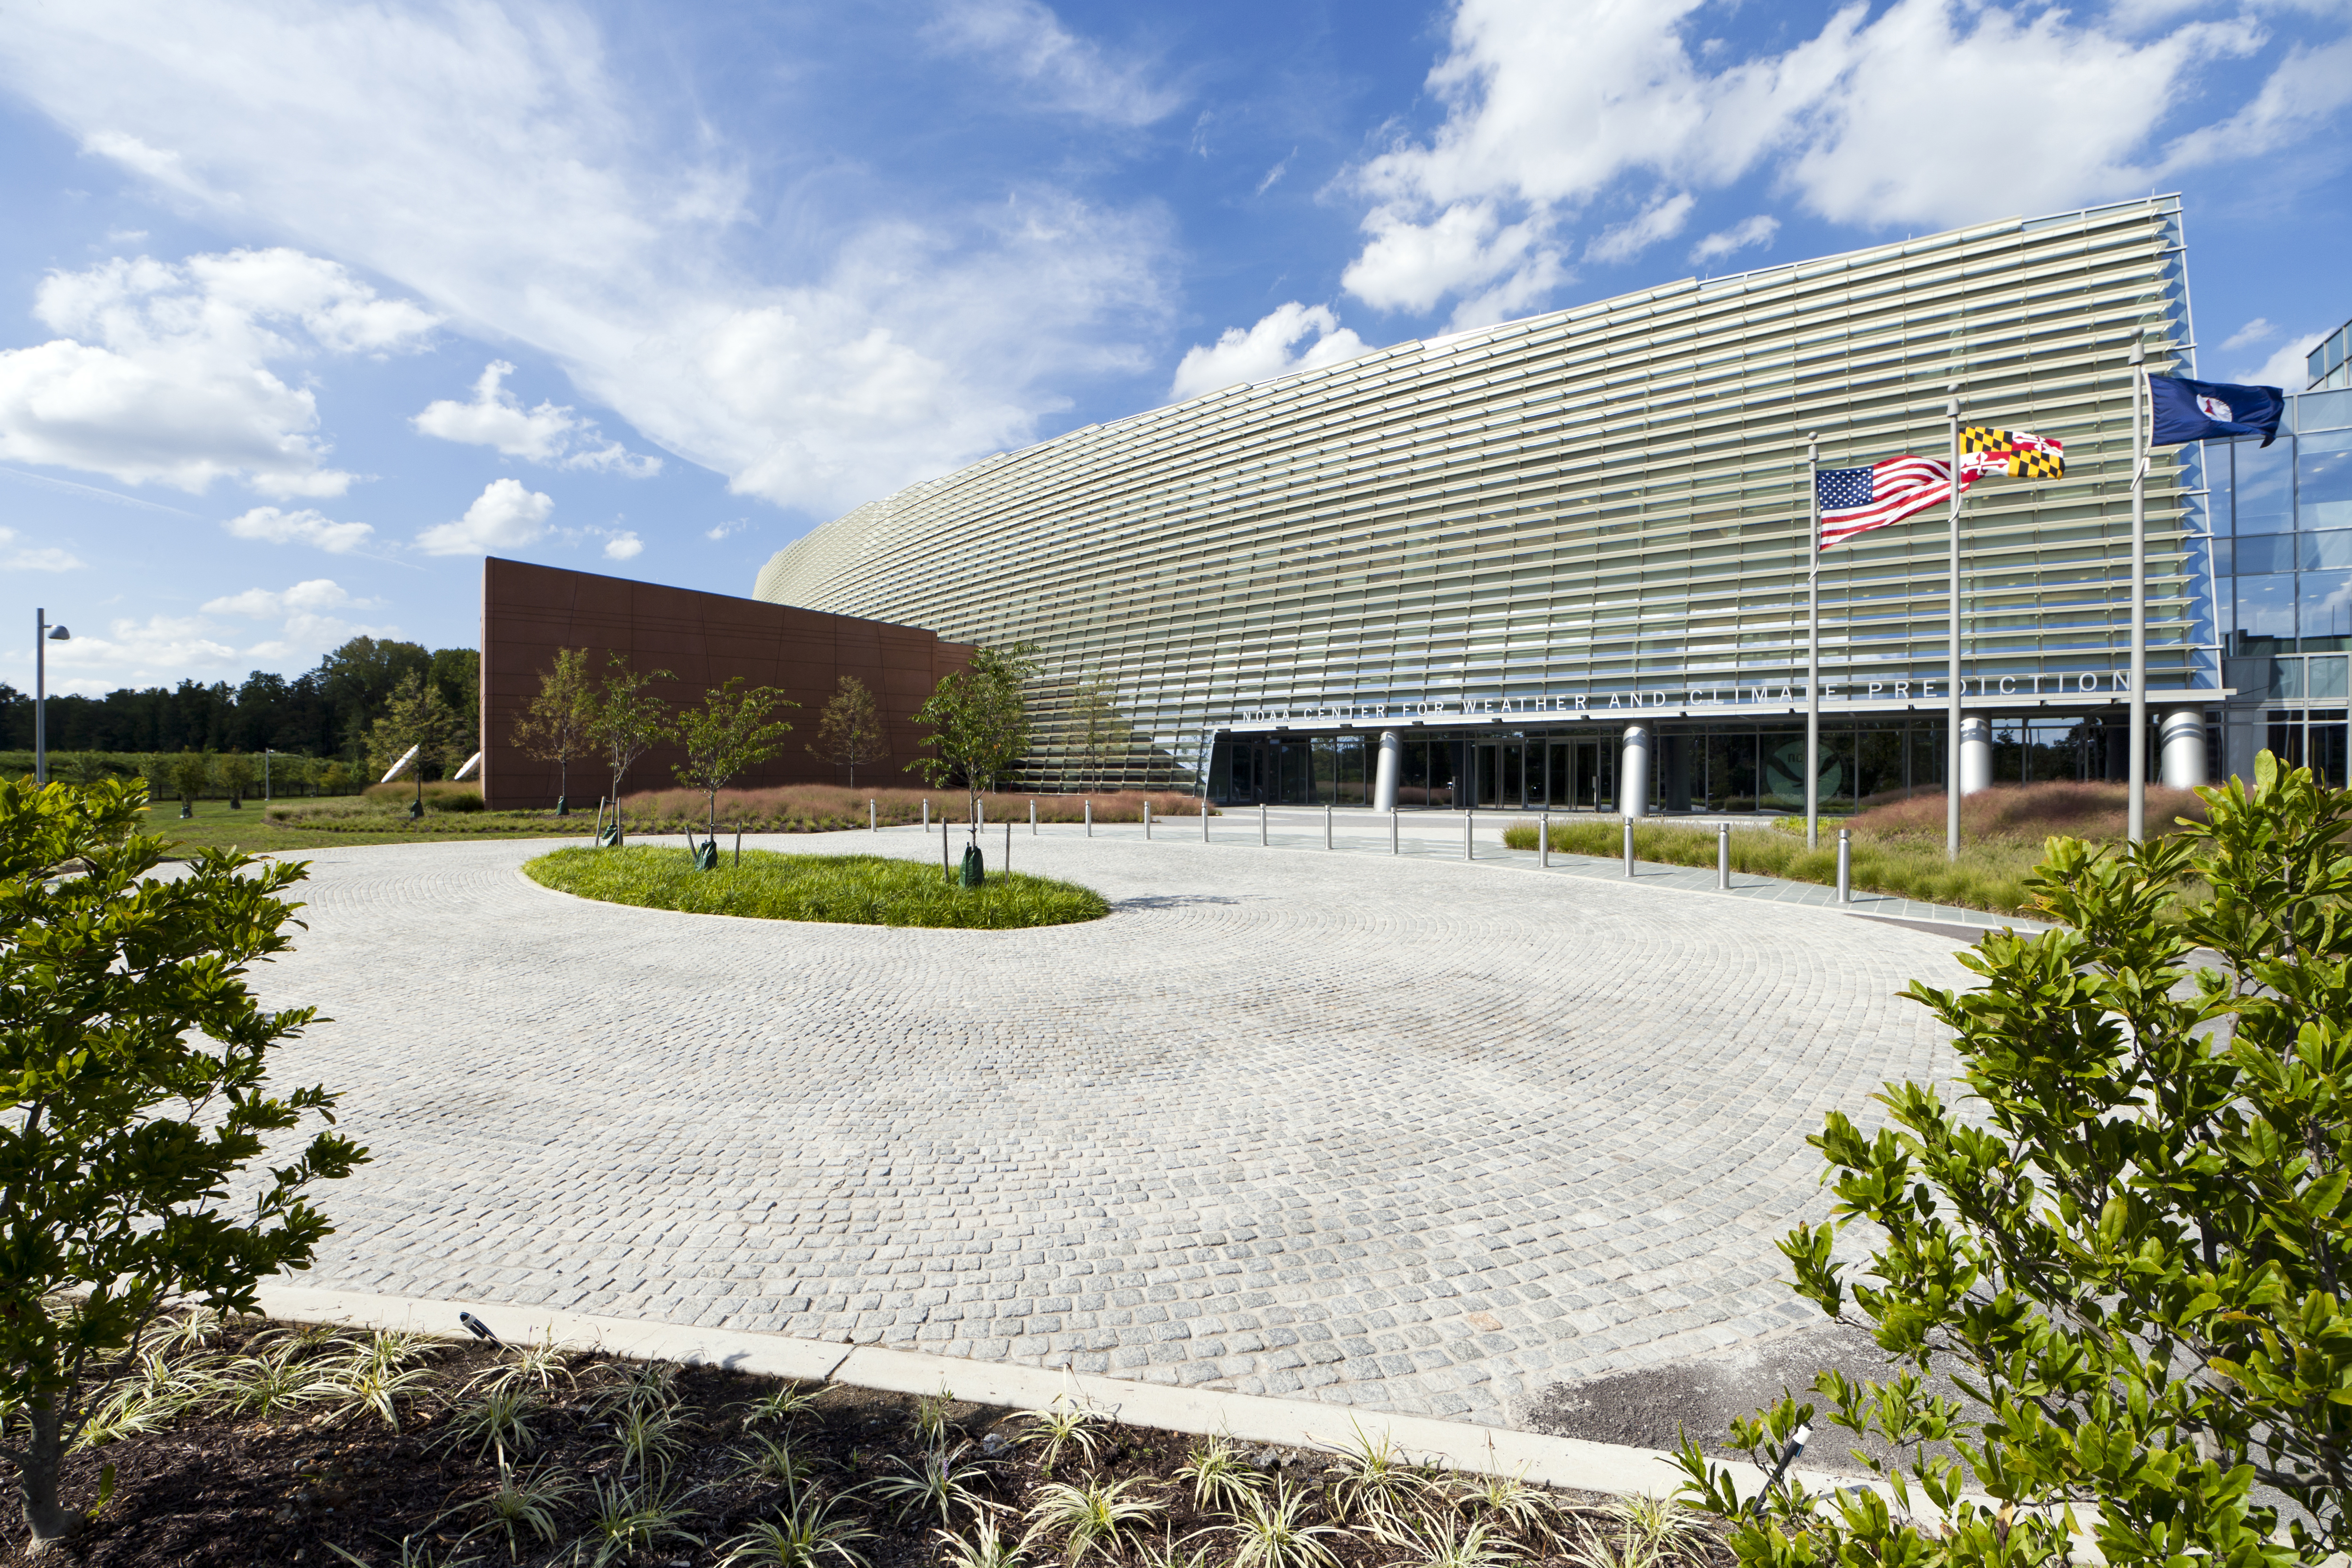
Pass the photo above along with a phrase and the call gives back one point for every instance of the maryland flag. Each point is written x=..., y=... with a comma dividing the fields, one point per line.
x=2013, y=452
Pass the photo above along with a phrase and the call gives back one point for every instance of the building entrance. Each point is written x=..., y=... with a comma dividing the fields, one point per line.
x=1501, y=777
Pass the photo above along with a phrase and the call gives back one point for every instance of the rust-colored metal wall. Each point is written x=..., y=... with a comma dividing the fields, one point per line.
x=528, y=611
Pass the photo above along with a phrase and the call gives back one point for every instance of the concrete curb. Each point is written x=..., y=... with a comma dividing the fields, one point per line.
x=1570, y=1462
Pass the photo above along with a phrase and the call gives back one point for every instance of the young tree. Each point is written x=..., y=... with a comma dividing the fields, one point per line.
x=1095, y=706
x=415, y=716
x=236, y=777
x=729, y=732
x=628, y=718
x=191, y=772
x=978, y=718
x=135, y=1062
x=849, y=731
x=555, y=728
x=2131, y=1250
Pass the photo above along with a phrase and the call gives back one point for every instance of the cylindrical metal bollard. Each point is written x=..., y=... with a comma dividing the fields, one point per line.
x=1543, y=841
x=1326, y=824
x=1468, y=851
x=1846, y=866
x=1261, y=824
x=1090, y=818
x=926, y=813
x=1392, y=830
x=1628, y=847
x=1723, y=855
x=1147, y=819
x=873, y=816
x=1205, y=816
x=1033, y=819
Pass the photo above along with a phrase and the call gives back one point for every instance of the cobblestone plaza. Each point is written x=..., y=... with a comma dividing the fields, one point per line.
x=1429, y=1136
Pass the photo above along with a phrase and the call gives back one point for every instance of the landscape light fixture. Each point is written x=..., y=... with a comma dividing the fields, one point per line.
x=481, y=1330
x=44, y=634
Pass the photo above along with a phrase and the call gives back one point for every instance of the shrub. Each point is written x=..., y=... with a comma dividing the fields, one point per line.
x=136, y=1063
x=460, y=799
x=853, y=890
x=2127, y=1250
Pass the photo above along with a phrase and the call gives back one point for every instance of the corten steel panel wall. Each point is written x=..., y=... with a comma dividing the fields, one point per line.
x=1606, y=500
x=528, y=611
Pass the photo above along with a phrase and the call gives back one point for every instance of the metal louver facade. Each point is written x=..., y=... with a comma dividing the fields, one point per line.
x=1585, y=515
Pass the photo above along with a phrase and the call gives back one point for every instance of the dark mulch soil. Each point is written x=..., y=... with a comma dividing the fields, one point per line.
x=217, y=1493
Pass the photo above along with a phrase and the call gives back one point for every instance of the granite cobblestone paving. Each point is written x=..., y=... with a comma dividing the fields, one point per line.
x=1427, y=1136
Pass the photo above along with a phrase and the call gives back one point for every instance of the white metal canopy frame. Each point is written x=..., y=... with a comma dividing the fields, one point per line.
x=1587, y=513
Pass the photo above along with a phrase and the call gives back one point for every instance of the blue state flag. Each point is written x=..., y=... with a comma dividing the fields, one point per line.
x=2206, y=410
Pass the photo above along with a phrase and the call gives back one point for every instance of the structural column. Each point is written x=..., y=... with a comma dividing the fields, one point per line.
x=1976, y=754
x=1633, y=772
x=1385, y=769
x=2182, y=742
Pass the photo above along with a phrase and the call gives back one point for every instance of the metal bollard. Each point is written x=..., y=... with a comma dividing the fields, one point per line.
x=1033, y=819
x=1205, y=816
x=1326, y=824
x=1543, y=841
x=1846, y=866
x=873, y=816
x=1628, y=847
x=1090, y=818
x=1261, y=824
x=1147, y=819
x=1723, y=855
x=926, y=813
x=1392, y=830
x=1469, y=851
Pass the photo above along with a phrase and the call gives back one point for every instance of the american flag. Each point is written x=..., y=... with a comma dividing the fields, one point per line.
x=1855, y=500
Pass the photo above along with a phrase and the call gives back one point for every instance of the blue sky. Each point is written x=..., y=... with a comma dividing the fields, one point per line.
x=304, y=308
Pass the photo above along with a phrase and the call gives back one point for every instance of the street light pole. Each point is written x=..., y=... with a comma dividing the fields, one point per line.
x=266, y=755
x=43, y=635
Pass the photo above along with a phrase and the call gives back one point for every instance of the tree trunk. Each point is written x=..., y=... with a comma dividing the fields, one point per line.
x=36, y=1476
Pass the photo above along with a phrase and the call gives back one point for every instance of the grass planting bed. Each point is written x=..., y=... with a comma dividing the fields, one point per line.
x=267, y=1443
x=847, y=889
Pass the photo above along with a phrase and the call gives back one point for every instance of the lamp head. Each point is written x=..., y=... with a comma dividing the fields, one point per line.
x=58, y=634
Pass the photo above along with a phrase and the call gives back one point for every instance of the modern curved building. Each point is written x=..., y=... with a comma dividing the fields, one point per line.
x=1561, y=562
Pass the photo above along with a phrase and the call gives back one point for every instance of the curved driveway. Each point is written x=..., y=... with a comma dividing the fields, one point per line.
x=1431, y=1137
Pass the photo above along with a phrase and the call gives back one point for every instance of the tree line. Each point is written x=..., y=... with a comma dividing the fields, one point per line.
x=324, y=712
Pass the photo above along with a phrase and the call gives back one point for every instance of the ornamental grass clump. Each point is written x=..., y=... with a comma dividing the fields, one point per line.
x=2124, y=1239
x=850, y=889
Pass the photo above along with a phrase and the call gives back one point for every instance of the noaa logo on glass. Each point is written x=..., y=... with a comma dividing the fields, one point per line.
x=2213, y=408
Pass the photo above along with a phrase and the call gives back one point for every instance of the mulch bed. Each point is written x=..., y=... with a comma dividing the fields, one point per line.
x=213, y=1491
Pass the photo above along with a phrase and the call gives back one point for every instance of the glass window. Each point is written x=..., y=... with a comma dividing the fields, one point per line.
x=2328, y=551
x=2323, y=488
x=2326, y=610
x=2286, y=680
x=2264, y=490
x=2265, y=612
x=2263, y=553
x=2323, y=410
x=2327, y=677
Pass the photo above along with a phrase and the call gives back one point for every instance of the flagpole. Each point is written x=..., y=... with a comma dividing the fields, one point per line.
x=1952, y=722
x=2135, y=808
x=1813, y=649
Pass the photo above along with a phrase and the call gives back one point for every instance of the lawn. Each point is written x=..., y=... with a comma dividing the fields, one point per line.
x=348, y=819
x=1899, y=848
x=847, y=889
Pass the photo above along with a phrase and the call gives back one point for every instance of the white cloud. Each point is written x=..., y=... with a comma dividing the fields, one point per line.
x=1026, y=42
x=727, y=530
x=161, y=647
x=489, y=162
x=505, y=516
x=2261, y=330
x=1552, y=107
x=16, y=557
x=1277, y=172
x=263, y=604
x=2288, y=367
x=271, y=526
x=1739, y=236
x=1661, y=219
x=162, y=374
x=624, y=545
x=1264, y=351
x=547, y=434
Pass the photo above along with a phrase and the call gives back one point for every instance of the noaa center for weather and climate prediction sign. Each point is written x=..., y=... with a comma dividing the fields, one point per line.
x=1561, y=562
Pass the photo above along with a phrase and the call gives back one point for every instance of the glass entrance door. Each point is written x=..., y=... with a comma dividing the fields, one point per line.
x=1502, y=778
x=1587, y=784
